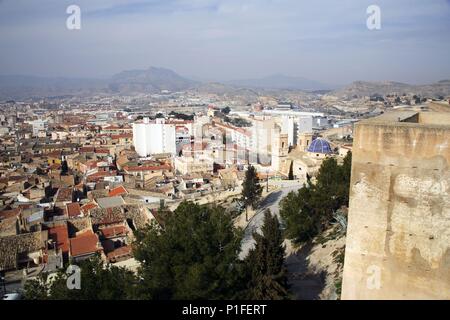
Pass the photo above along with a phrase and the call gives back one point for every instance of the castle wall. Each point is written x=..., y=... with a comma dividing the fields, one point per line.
x=398, y=237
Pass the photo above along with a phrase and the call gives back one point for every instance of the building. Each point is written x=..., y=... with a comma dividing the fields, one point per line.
x=319, y=148
x=304, y=140
x=187, y=165
x=39, y=127
x=154, y=137
x=398, y=239
x=296, y=125
x=280, y=149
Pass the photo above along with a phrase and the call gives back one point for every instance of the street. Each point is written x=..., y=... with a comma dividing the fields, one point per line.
x=271, y=202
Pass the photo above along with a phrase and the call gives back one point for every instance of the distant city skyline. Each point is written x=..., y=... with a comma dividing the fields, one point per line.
x=224, y=40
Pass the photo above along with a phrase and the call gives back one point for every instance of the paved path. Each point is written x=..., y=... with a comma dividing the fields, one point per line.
x=271, y=202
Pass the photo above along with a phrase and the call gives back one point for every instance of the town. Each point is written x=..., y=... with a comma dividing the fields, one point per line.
x=77, y=183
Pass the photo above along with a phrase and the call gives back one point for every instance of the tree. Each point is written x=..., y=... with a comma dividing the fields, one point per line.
x=226, y=110
x=309, y=210
x=98, y=282
x=36, y=289
x=291, y=171
x=193, y=256
x=265, y=263
x=297, y=211
x=64, y=168
x=251, y=189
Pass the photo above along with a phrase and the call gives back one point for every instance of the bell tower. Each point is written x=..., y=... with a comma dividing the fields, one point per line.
x=280, y=148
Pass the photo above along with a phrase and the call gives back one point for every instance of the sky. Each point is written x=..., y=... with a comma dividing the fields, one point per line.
x=218, y=40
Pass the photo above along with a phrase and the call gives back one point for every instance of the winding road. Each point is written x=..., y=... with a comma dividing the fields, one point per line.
x=272, y=202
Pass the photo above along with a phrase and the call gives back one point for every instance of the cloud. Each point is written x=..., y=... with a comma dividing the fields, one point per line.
x=227, y=39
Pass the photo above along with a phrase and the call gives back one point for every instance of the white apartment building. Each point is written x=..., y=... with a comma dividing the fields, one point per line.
x=39, y=126
x=295, y=125
x=153, y=137
x=261, y=139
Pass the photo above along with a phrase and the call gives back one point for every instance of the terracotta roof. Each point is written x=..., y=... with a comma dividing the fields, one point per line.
x=113, y=231
x=86, y=149
x=102, y=151
x=60, y=236
x=84, y=243
x=6, y=214
x=123, y=135
x=73, y=209
x=119, y=253
x=64, y=194
x=88, y=206
x=118, y=191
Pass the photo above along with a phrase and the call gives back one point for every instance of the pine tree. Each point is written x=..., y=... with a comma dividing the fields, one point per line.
x=309, y=210
x=265, y=263
x=98, y=282
x=64, y=168
x=251, y=189
x=291, y=171
x=194, y=256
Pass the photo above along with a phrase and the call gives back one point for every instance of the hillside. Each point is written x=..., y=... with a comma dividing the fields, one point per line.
x=279, y=81
x=315, y=269
x=365, y=88
x=150, y=80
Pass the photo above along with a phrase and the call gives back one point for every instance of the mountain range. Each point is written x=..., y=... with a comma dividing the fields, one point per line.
x=383, y=88
x=153, y=80
x=280, y=81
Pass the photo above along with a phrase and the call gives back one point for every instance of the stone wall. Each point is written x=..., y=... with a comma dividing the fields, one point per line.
x=398, y=238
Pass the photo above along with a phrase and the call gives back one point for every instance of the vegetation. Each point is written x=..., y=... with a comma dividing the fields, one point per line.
x=251, y=189
x=192, y=257
x=225, y=110
x=97, y=283
x=309, y=211
x=291, y=171
x=265, y=263
x=238, y=122
x=182, y=116
x=64, y=168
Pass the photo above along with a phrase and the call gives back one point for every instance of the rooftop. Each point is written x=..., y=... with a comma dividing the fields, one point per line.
x=84, y=243
x=110, y=202
x=320, y=145
x=73, y=209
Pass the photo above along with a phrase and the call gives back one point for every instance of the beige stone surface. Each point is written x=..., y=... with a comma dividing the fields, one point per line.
x=398, y=238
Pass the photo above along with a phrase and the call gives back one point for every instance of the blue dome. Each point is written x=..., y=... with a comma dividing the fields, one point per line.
x=319, y=145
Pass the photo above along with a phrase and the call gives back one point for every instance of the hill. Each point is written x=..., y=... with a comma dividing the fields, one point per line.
x=279, y=81
x=365, y=88
x=150, y=80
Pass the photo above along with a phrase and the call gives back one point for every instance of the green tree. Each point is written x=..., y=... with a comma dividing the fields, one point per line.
x=291, y=171
x=251, y=189
x=309, y=210
x=37, y=289
x=64, y=168
x=226, y=110
x=265, y=263
x=98, y=282
x=297, y=211
x=193, y=256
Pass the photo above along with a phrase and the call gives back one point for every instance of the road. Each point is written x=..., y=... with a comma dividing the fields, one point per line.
x=271, y=202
